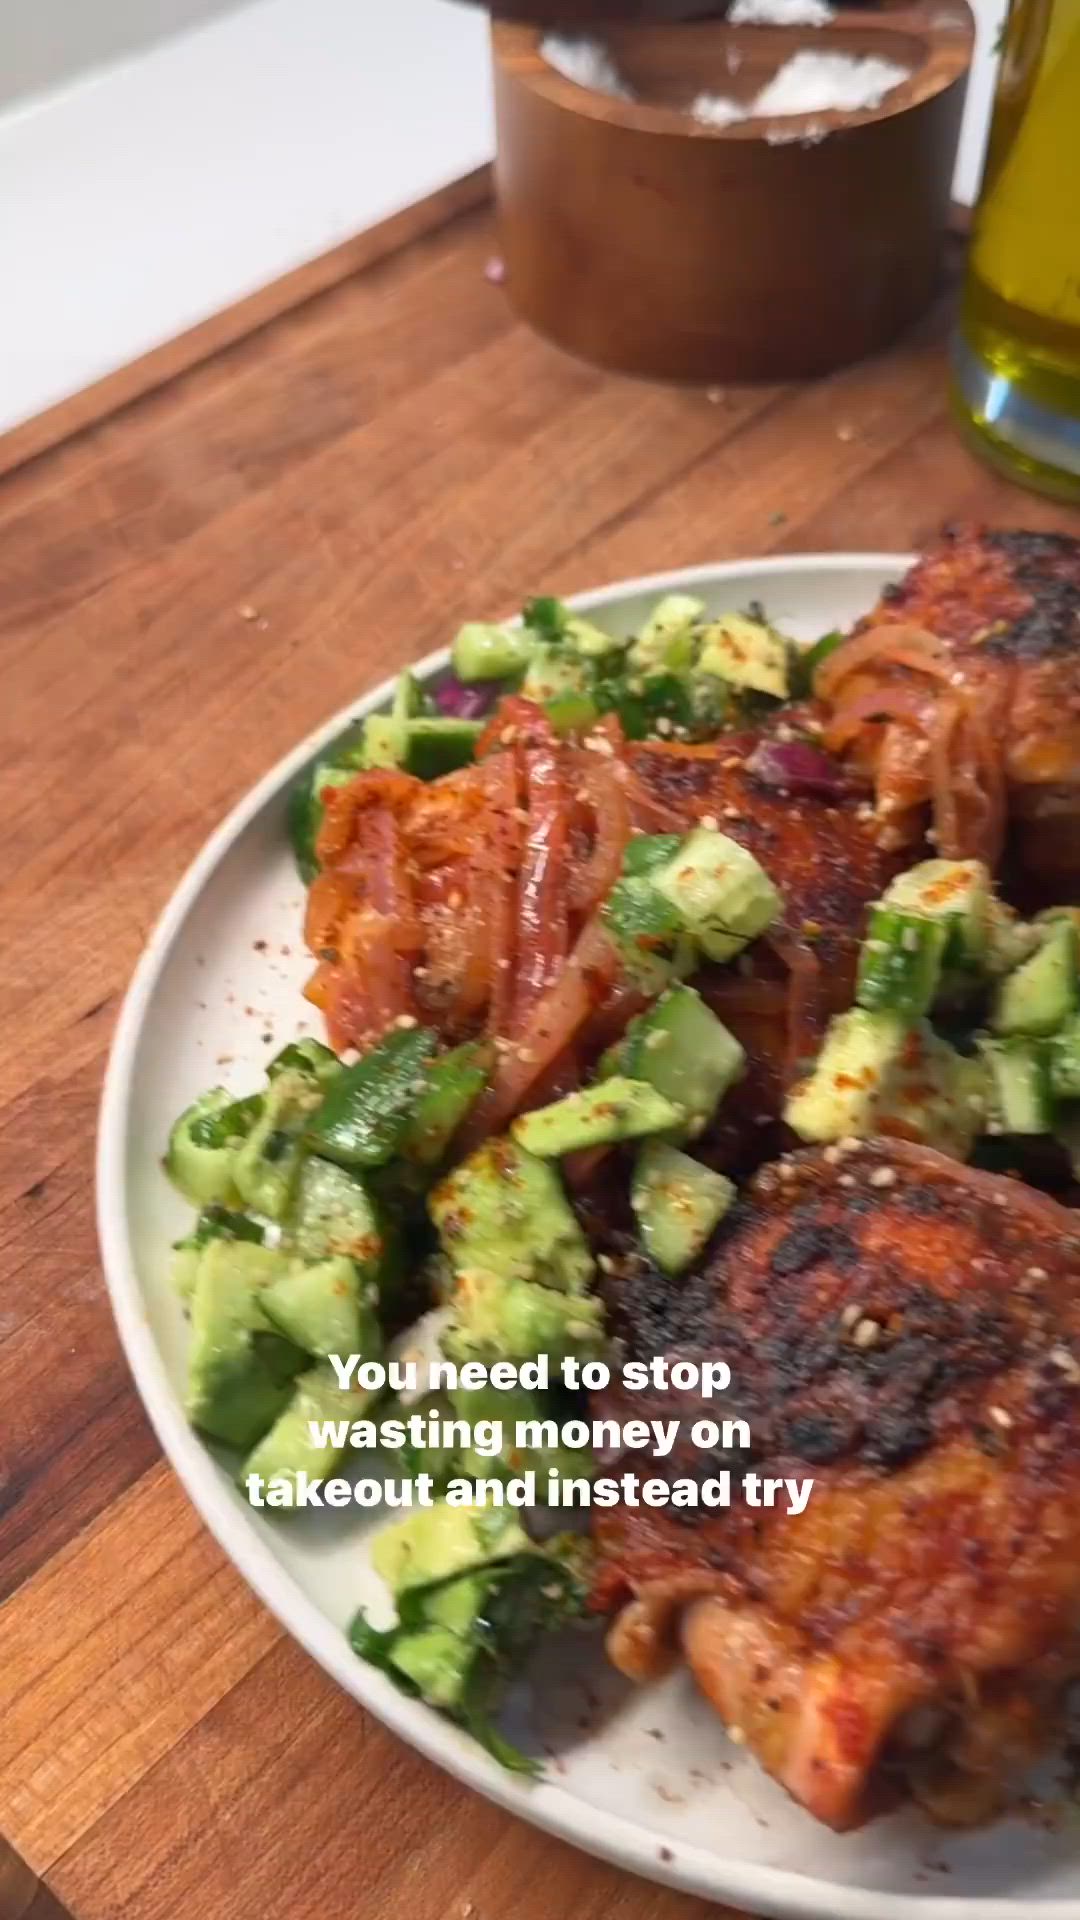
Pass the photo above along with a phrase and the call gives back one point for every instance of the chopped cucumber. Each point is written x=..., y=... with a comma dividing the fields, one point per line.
x=900, y=962
x=934, y=1094
x=368, y=1109
x=1021, y=1099
x=435, y=1543
x=839, y=1097
x=458, y=1640
x=306, y=1056
x=437, y=746
x=671, y=619
x=290, y=1447
x=685, y=1052
x=1009, y=940
x=267, y=1165
x=589, y=641
x=239, y=1370
x=720, y=892
x=678, y=1203
x=333, y=1214
x=747, y=654
x=508, y=1408
x=1042, y=994
x=384, y=740
x=552, y=673
x=454, y=1082
x=503, y=1211
x=807, y=661
x=955, y=892
x=306, y=808
x=615, y=1109
x=184, y=1269
x=410, y=700
x=1064, y=1057
x=484, y=652
x=649, y=933
x=572, y=713
x=647, y=851
x=552, y=622
x=424, y=746
x=201, y=1154
x=214, y=1223
x=499, y=1316
x=324, y=1309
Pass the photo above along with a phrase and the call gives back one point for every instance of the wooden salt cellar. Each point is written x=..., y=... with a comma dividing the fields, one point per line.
x=640, y=239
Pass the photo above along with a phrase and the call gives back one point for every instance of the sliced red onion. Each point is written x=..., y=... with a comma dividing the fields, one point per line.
x=460, y=702
x=797, y=767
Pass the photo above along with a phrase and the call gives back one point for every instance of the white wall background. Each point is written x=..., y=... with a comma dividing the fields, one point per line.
x=161, y=159
x=46, y=42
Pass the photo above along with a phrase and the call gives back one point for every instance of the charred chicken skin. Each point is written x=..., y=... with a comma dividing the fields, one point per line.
x=906, y=1332
x=959, y=696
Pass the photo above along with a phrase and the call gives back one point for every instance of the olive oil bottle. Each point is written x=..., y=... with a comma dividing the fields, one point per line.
x=1016, y=378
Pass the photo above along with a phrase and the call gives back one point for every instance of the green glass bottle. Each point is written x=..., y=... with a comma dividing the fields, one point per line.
x=1016, y=362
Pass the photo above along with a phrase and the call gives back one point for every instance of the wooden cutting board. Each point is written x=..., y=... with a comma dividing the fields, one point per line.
x=187, y=585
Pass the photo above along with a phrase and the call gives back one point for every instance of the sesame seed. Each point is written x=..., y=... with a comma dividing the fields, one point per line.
x=525, y=1053
x=737, y=1736
x=1037, y=1273
x=883, y=1177
x=710, y=821
x=1000, y=1418
x=605, y=1263
x=851, y=1315
x=845, y=1180
x=406, y=1020
x=867, y=1333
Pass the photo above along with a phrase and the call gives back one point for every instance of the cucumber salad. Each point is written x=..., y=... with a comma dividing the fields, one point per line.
x=350, y=1206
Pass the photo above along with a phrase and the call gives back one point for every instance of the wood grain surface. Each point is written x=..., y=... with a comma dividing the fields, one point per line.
x=364, y=471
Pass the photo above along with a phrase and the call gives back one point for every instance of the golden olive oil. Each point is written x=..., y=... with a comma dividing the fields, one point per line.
x=1017, y=352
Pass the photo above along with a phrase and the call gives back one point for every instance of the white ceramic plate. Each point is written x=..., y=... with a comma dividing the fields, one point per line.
x=650, y=1781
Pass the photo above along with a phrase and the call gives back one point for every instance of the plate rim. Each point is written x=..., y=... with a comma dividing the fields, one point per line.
x=769, y=1890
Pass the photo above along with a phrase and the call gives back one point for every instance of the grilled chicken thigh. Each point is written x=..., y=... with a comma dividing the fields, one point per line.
x=907, y=1332
x=959, y=695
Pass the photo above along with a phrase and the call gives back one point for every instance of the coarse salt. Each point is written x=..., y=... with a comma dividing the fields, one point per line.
x=779, y=13
x=586, y=63
x=807, y=83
